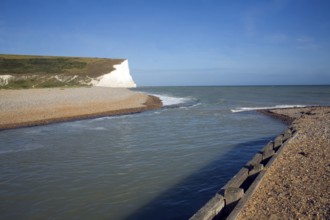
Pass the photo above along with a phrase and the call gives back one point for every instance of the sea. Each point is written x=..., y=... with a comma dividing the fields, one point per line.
x=159, y=164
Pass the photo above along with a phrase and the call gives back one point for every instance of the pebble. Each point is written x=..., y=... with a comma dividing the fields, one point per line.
x=301, y=181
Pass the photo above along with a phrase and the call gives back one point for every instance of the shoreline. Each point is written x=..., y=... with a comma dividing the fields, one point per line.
x=34, y=107
x=287, y=179
x=284, y=118
x=295, y=186
x=279, y=113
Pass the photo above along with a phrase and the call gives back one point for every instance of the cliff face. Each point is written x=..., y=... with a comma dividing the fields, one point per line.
x=4, y=79
x=120, y=77
x=21, y=71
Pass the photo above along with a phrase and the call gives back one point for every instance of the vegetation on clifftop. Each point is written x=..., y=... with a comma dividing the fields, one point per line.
x=40, y=65
x=51, y=71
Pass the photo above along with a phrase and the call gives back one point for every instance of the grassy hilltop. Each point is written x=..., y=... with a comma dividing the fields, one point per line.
x=51, y=71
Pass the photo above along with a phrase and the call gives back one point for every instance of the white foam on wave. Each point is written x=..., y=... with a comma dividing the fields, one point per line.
x=244, y=109
x=20, y=148
x=97, y=128
x=171, y=100
x=113, y=117
x=189, y=107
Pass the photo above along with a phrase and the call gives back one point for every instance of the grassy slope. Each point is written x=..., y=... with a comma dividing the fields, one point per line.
x=45, y=66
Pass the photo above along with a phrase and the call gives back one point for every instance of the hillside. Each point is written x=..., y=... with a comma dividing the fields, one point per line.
x=25, y=71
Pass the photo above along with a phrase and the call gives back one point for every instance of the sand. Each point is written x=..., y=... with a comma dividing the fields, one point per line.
x=32, y=107
x=297, y=185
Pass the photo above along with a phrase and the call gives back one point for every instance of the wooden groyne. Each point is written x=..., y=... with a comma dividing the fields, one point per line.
x=230, y=199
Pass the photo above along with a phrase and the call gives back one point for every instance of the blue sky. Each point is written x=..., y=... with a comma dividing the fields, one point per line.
x=180, y=42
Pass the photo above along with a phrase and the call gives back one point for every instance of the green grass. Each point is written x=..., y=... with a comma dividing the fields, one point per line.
x=31, y=83
x=39, y=67
x=27, y=65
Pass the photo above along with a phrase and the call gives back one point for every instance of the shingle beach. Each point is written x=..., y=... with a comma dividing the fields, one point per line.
x=297, y=185
x=31, y=107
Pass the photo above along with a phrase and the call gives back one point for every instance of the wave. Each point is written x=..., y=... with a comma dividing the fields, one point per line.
x=20, y=148
x=97, y=128
x=191, y=106
x=173, y=101
x=244, y=109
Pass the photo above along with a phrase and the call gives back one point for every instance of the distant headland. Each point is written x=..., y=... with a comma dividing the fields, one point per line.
x=37, y=90
x=26, y=71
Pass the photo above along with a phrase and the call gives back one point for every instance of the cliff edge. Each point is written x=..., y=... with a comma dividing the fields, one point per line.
x=25, y=71
x=119, y=77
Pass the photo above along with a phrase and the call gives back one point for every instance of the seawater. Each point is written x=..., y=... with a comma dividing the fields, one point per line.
x=162, y=164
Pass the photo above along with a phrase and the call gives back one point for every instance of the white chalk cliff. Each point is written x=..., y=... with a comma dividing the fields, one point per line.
x=120, y=77
x=4, y=79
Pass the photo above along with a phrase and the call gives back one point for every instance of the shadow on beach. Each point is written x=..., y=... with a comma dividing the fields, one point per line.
x=182, y=200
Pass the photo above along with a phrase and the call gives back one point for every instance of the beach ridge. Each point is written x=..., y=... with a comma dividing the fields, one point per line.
x=289, y=175
x=296, y=185
x=32, y=107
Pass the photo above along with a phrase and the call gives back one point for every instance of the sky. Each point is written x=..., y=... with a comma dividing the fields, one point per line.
x=180, y=42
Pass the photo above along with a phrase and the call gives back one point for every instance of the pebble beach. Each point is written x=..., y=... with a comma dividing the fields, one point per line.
x=201, y=121
x=297, y=185
x=43, y=106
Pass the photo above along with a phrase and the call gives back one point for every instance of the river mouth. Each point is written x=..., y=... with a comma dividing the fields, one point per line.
x=135, y=166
